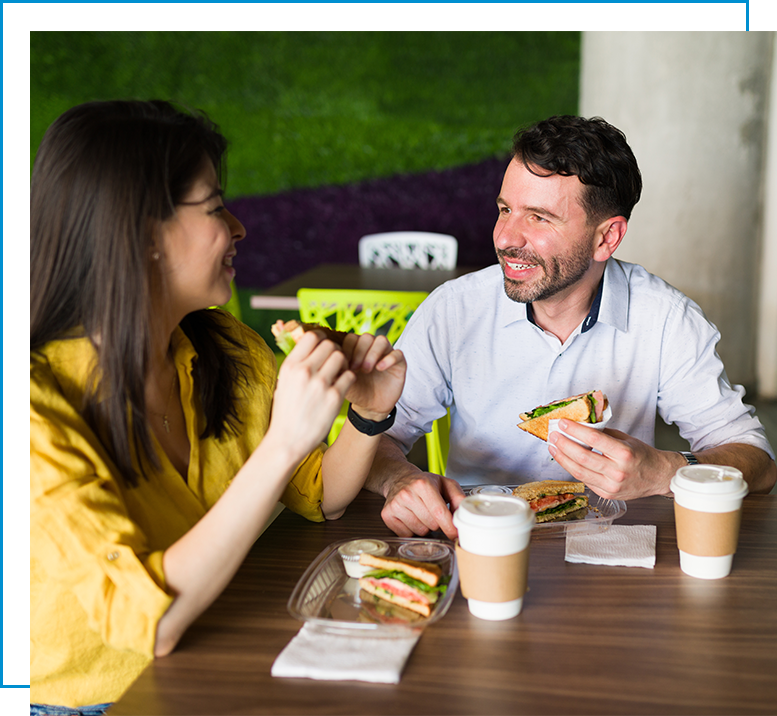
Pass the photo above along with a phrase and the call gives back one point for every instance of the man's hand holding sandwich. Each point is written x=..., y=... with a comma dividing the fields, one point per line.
x=628, y=468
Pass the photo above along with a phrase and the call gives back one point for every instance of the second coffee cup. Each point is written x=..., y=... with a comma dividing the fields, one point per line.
x=493, y=553
x=708, y=510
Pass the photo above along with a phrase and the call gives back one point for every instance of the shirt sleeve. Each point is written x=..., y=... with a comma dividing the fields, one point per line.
x=305, y=491
x=695, y=392
x=80, y=531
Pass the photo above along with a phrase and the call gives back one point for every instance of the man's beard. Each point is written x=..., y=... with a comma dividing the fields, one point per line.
x=559, y=273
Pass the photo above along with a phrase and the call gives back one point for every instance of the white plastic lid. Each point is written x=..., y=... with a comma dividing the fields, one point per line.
x=491, y=490
x=351, y=551
x=709, y=480
x=493, y=511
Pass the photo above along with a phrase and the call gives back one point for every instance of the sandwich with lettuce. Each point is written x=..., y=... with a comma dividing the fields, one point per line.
x=583, y=408
x=417, y=586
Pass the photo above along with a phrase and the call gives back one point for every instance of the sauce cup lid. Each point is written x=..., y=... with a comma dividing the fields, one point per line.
x=351, y=551
x=491, y=490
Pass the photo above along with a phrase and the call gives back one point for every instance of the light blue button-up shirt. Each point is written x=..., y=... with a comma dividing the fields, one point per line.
x=648, y=348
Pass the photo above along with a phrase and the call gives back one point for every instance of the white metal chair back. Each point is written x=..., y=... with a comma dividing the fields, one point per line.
x=408, y=250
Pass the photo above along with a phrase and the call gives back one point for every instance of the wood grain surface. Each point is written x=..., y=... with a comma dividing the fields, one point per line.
x=590, y=639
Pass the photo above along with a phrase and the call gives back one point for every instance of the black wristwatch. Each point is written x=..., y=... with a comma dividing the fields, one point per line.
x=371, y=427
x=689, y=456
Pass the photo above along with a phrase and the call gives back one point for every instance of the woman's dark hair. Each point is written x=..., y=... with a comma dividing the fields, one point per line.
x=105, y=176
x=592, y=150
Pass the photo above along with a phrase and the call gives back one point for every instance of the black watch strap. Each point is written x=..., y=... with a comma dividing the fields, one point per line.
x=689, y=457
x=371, y=427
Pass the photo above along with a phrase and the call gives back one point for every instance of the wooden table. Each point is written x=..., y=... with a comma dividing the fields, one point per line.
x=590, y=639
x=284, y=295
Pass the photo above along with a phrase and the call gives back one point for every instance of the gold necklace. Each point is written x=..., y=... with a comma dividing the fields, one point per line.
x=165, y=419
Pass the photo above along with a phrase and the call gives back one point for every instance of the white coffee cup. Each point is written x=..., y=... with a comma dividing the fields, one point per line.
x=708, y=502
x=493, y=553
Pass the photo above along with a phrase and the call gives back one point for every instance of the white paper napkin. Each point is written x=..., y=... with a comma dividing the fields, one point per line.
x=620, y=545
x=326, y=655
x=601, y=425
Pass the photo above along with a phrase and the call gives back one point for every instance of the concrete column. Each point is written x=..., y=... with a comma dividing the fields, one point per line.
x=766, y=356
x=694, y=108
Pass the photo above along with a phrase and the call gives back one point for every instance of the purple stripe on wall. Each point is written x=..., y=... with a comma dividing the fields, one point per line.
x=291, y=232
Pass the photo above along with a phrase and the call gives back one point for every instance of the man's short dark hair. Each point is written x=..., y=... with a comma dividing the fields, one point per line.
x=592, y=150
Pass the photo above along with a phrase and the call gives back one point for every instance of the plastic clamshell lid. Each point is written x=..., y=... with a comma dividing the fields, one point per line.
x=495, y=511
x=709, y=480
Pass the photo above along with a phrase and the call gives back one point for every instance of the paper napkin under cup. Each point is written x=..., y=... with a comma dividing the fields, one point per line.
x=620, y=545
x=328, y=654
x=553, y=426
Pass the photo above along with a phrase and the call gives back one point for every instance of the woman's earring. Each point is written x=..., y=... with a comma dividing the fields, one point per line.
x=155, y=255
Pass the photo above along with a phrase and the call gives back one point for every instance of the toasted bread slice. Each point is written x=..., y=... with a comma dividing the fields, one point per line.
x=288, y=333
x=422, y=571
x=533, y=490
x=579, y=408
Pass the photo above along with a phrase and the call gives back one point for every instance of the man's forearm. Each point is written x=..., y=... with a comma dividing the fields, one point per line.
x=390, y=464
x=758, y=469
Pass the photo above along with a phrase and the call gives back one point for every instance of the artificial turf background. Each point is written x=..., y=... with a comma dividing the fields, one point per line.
x=333, y=134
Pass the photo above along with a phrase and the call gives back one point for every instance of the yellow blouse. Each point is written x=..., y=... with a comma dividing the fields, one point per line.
x=97, y=588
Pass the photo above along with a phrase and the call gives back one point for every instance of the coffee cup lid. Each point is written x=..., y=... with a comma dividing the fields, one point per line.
x=495, y=511
x=709, y=480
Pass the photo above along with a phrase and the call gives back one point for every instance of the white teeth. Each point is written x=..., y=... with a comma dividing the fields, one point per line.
x=228, y=261
x=520, y=267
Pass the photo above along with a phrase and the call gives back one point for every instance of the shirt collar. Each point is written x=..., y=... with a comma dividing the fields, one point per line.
x=610, y=306
x=590, y=319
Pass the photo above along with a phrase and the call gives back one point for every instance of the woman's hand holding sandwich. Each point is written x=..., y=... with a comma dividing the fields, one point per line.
x=368, y=372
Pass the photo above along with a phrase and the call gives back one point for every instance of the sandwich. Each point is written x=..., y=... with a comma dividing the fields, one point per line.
x=413, y=585
x=555, y=500
x=374, y=610
x=583, y=408
x=287, y=333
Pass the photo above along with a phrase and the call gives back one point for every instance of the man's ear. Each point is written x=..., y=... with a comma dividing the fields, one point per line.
x=609, y=235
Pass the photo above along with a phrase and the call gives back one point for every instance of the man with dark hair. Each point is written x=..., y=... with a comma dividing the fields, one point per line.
x=559, y=316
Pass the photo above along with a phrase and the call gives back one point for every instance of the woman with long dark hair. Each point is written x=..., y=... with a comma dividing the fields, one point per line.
x=161, y=434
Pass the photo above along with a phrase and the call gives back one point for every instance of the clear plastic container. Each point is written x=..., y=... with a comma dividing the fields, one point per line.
x=601, y=514
x=326, y=596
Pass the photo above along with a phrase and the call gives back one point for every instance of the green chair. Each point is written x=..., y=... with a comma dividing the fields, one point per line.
x=438, y=444
x=360, y=311
x=233, y=305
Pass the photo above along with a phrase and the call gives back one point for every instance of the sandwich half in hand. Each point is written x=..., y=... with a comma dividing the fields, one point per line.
x=287, y=333
x=583, y=408
x=413, y=585
x=555, y=500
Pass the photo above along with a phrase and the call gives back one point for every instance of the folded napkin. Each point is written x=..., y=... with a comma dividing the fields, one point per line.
x=345, y=655
x=620, y=545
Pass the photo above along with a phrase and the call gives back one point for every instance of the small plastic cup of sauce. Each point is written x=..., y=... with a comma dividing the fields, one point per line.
x=351, y=551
